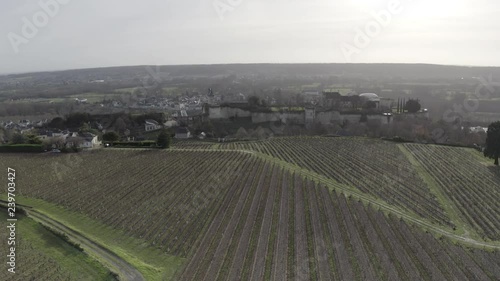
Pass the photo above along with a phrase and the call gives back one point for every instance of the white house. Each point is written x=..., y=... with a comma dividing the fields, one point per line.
x=86, y=140
x=90, y=141
x=151, y=125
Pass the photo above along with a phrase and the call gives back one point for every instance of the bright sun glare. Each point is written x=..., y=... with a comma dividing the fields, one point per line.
x=422, y=8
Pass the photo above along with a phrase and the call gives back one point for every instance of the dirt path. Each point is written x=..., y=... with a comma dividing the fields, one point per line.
x=444, y=200
x=110, y=259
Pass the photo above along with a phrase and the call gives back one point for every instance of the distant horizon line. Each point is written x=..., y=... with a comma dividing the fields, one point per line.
x=250, y=63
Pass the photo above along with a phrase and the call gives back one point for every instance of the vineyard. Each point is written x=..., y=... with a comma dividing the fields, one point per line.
x=373, y=166
x=471, y=185
x=194, y=144
x=235, y=215
x=283, y=227
x=164, y=198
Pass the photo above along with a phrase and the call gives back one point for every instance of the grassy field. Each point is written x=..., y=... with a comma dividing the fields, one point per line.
x=297, y=208
x=42, y=254
x=91, y=97
x=94, y=97
x=125, y=90
x=153, y=263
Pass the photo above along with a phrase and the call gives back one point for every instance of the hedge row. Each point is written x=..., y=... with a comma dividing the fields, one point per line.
x=135, y=144
x=397, y=139
x=30, y=148
x=64, y=237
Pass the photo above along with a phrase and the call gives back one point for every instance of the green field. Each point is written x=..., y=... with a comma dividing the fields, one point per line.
x=125, y=90
x=153, y=263
x=42, y=254
x=92, y=97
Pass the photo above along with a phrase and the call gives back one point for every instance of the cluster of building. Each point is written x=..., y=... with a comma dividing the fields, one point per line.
x=478, y=129
x=334, y=100
x=23, y=125
x=181, y=132
x=185, y=102
x=323, y=108
x=69, y=139
x=59, y=138
x=326, y=109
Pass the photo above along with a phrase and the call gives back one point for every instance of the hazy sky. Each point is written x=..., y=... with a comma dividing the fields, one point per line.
x=92, y=33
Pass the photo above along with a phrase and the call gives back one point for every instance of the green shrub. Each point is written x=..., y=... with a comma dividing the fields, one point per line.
x=64, y=237
x=163, y=140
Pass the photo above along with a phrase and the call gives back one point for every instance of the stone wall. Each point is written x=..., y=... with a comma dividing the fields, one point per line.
x=261, y=117
x=323, y=117
x=328, y=117
x=227, y=112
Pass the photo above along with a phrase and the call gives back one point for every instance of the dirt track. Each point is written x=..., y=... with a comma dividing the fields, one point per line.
x=116, y=264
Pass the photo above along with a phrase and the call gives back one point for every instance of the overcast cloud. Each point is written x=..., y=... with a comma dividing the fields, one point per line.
x=95, y=33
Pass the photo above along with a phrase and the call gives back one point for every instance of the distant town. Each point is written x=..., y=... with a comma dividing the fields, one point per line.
x=78, y=107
